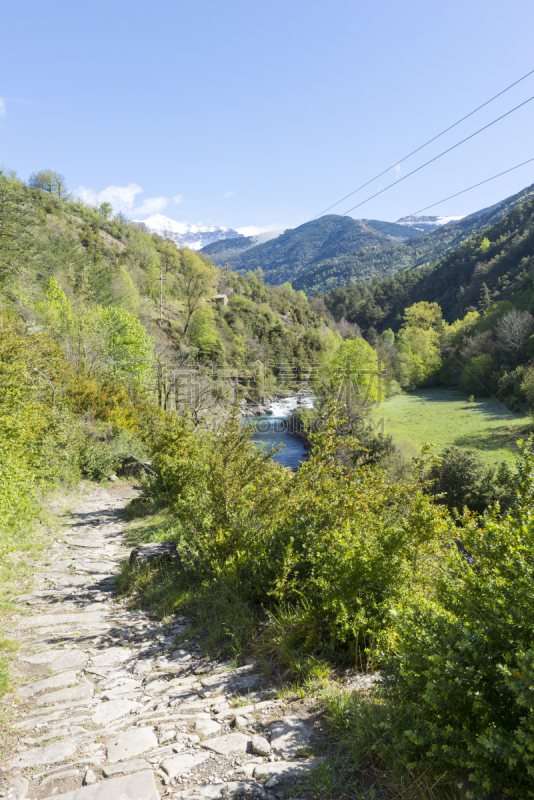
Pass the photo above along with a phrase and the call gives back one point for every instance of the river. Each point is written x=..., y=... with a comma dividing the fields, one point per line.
x=271, y=433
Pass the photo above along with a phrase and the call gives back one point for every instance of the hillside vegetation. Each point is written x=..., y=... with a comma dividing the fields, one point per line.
x=103, y=327
x=493, y=266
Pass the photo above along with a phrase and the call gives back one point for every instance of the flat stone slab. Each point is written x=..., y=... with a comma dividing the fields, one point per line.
x=207, y=726
x=139, y=786
x=287, y=769
x=46, y=657
x=232, y=743
x=71, y=580
x=244, y=789
x=119, y=691
x=204, y=791
x=84, y=691
x=181, y=656
x=59, y=776
x=183, y=763
x=73, y=659
x=131, y=743
x=236, y=685
x=55, y=753
x=50, y=620
x=232, y=712
x=112, y=656
x=125, y=767
x=235, y=681
x=78, y=705
x=57, y=682
x=86, y=543
x=101, y=567
x=232, y=673
x=290, y=735
x=32, y=722
x=113, y=710
x=18, y=788
x=127, y=683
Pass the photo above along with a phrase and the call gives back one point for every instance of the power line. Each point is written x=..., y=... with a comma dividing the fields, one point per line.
x=495, y=96
x=437, y=203
x=417, y=169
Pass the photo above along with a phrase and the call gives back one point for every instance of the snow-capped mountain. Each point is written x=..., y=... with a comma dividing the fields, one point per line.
x=427, y=224
x=186, y=235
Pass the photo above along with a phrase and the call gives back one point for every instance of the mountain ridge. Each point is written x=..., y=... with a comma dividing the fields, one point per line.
x=333, y=251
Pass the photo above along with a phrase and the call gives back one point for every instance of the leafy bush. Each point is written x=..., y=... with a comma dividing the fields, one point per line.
x=38, y=437
x=96, y=459
x=467, y=662
x=465, y=481
x=344, y=548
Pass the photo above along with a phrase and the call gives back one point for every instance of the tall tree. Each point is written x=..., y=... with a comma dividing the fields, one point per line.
x=105, y=210
x=48, y=181
x=513, y=331
x=199, y=281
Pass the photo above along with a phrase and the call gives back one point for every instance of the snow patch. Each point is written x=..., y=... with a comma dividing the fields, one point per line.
x=185, y=234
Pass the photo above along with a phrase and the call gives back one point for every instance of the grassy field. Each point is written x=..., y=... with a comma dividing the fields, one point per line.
x=446, y=417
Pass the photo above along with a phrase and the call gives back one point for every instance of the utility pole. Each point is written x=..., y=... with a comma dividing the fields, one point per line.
x=161, y=280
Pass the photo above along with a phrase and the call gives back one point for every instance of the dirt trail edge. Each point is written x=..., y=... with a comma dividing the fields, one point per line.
x=115, y=710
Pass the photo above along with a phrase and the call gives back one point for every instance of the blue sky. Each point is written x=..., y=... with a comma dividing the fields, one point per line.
x=260, y=115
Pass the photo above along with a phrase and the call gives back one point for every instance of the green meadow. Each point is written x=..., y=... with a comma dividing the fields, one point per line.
x=446, y=417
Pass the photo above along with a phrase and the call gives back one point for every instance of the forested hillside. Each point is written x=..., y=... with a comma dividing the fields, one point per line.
x=284, y=259
x=103, y=327
x=336, y=253
x=96, y=263
x=466, y=322
x=491, y=267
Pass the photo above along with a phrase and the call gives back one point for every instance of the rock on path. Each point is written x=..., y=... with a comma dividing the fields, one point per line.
x=115, y=708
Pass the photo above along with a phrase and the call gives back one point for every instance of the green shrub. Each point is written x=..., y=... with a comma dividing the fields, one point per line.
x=351, y=544
x=96, y=459
x=465, y=480
x=467, y=663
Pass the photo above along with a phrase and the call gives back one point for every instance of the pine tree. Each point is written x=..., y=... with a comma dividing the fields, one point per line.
x=485, y=298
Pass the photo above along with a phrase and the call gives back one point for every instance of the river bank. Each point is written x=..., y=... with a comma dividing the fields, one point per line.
x=271, y=429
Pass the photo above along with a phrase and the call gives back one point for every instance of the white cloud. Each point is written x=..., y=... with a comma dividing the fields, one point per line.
x=123, y=199
x=228, y=194
x=252, y=230
x=2, y=107
x=152, y=205
x=397, y=170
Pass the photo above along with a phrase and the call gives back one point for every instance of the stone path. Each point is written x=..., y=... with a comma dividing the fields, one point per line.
x=116, y=710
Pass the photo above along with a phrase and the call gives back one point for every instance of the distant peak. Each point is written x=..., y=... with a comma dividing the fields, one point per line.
x=186, y=234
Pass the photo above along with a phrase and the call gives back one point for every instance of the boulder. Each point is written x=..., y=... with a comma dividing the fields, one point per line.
x=134, y=466
x=155, y=552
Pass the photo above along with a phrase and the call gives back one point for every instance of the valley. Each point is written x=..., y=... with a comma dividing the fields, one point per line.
x=446, y=417
x=126, y=356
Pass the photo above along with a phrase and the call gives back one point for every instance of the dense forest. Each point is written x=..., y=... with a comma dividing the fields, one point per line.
x=332, y=252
